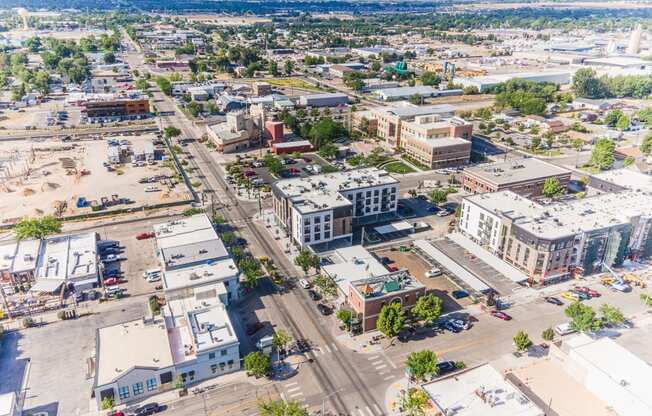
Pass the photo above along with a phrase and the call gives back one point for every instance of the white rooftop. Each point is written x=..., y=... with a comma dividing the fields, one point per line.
x=7, y=404
x=626, y=178
x=514, y=171
x=129, y=345
x=68, y=257
x=567, y=218
x=7, y=253
x=188, y=240
x=462, y=395
x=355, y=263
x=211, y=272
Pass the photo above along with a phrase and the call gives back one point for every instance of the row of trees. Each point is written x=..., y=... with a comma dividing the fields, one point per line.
x=587, y=84
x=527, y=97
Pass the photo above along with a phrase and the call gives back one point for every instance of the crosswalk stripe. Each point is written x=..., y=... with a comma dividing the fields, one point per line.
x=388, y=378
x=377, y=362
x=377, y=409
x=327, y=349
x=283, y=397
x=297, y=394
x=360, y=411
x=373, y=357
x=293, y=389
x=335, y=347
x=292, y=384
x=369, y=411
x=379, y=367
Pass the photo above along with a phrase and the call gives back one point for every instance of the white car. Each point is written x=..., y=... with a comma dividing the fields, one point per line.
x=151, y=272
x=433, y=272
x=443, y=213
x=152, y=188
x=154, y=278
x=304, y=283
x=564, y=329
x=111, y=257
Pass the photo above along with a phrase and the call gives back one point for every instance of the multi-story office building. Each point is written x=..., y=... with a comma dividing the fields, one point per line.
x=115, y=109
x=523, y=176
x=556, y=241
x=323, y=208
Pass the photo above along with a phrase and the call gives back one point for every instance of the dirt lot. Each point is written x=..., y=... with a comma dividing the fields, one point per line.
x=417, y=267
x=34, y=182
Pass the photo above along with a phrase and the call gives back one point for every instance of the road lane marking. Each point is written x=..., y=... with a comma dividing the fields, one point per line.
x=297, y=394
x=335, y=347
x=361, y=412
x=377, y=409
x=369, y=411
x=327, y=349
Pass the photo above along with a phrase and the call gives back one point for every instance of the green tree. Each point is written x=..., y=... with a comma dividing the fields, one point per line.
x=280, y=340
x=195, y=108
x=42, y=82
x=583, y=317
x=430, y=78
x=611, y=315
x=391, y=319
x=273, y=164
x=37, y=228
x=326, y=285
x=288, y=67
x=18, y=92
x=328, y=151
x=470, y=90
x=422, y=364
x=272, y=68
x=171, y=131
x=109, y=58
x=577, y=144
x=548, y=334
x=428, y=308
x=603, y=154
x=141, y=84
x=306, y=260
x=612, y=118
x=345, y=316
x=586, y=84
x=646, y=299
x=107, y=403
x=522, y=341
x=325, y=131
x=414, y=402
x=438, y=196
x=281, y=408
x=646, y=144
x=552, y=188
x=164, y=85
x=623, y=123
x=257, y=364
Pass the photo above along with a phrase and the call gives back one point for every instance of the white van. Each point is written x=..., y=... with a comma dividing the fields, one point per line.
x=564, y=329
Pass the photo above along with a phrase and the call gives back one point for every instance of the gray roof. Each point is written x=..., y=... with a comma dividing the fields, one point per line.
x=514, y=171
x=421, y=111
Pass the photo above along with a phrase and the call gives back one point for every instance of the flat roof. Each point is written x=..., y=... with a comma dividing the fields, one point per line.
x=406, y=91
x=398, y=226
x=7, y=403
x=7, y=254
x=410, y=110
x=189, y=240
x=462, y=395
x=627, y=178
x=566, y=218
x=355, y=263
x=128, y=345
x=211, y=327
x=68, y=257
x=445, y=142
x=202, y=274
x=451, y=265
x=514, y=171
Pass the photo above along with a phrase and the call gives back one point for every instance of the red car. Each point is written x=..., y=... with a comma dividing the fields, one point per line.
x=144, y=236
x=249, y=173
x=500, y=315
x=111, y=281
x=592, y=293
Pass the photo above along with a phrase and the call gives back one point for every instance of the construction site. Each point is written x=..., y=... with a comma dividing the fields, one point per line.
x=80, y=177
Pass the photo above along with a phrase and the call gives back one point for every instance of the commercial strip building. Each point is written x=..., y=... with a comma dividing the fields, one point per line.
x=324, y=208
x=98, y=110
x=523, y=176
x=323, y=100
x=193, y=338
x=562, y=239
x=18, y=261
x=365, y=285
x=618, y=180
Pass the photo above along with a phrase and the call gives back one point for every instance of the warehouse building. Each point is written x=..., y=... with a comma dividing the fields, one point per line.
x=404, y=93
x=523, y=176
x=483, y=83
x=323, y=100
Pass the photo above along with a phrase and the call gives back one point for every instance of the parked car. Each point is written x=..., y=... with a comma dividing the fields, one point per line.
x=572, y=296
x=459, y=294
x=151, y=272
x=459, y=323
x=590, y=292
x=448, y=325
x=304, y=284
x=145, y=236
x=148, y=409
x=564, y=329
x=111, y=258
x=433, y=272
x=253, y=328
x=155, y=277
x=443, y=213
x=385, y=260
x=621, y=287
x=324, y=309
x=553, y=300
x=111, y=281
x=112, y=273
x=445, y=367
x=500, y=315
x=581, y=295
x=314, y=295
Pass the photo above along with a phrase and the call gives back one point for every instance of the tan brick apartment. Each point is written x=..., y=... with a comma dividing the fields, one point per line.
x=437, y=143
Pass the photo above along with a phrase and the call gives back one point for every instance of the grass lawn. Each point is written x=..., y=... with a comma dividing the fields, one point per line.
x=292, y=83
x=397, y=167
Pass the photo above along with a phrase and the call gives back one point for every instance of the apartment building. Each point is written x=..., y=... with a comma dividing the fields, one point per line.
x=388, y=120
x=324, y=208
x=523, y=176
x=563, y=239
x=437, y=142
x=365, y=285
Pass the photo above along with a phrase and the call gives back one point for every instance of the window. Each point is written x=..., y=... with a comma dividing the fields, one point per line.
x=230, y=363
x=224, y=352
x=166, y=377
x=327, y=234
x=222, y=365
x=123, y=392
x=138, y=389
x=327, y=217
x=211, y=355
x=213, y=368
x=151, y=384
x=317, y=220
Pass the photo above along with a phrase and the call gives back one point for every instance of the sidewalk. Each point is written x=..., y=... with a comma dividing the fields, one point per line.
x=393, y=396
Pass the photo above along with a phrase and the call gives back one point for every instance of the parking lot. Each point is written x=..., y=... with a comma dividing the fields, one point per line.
x=52, y=361
x=440, y=286
x=50, y=177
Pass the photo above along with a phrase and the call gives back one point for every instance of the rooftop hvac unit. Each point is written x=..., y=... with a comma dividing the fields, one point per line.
x=194, y=276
